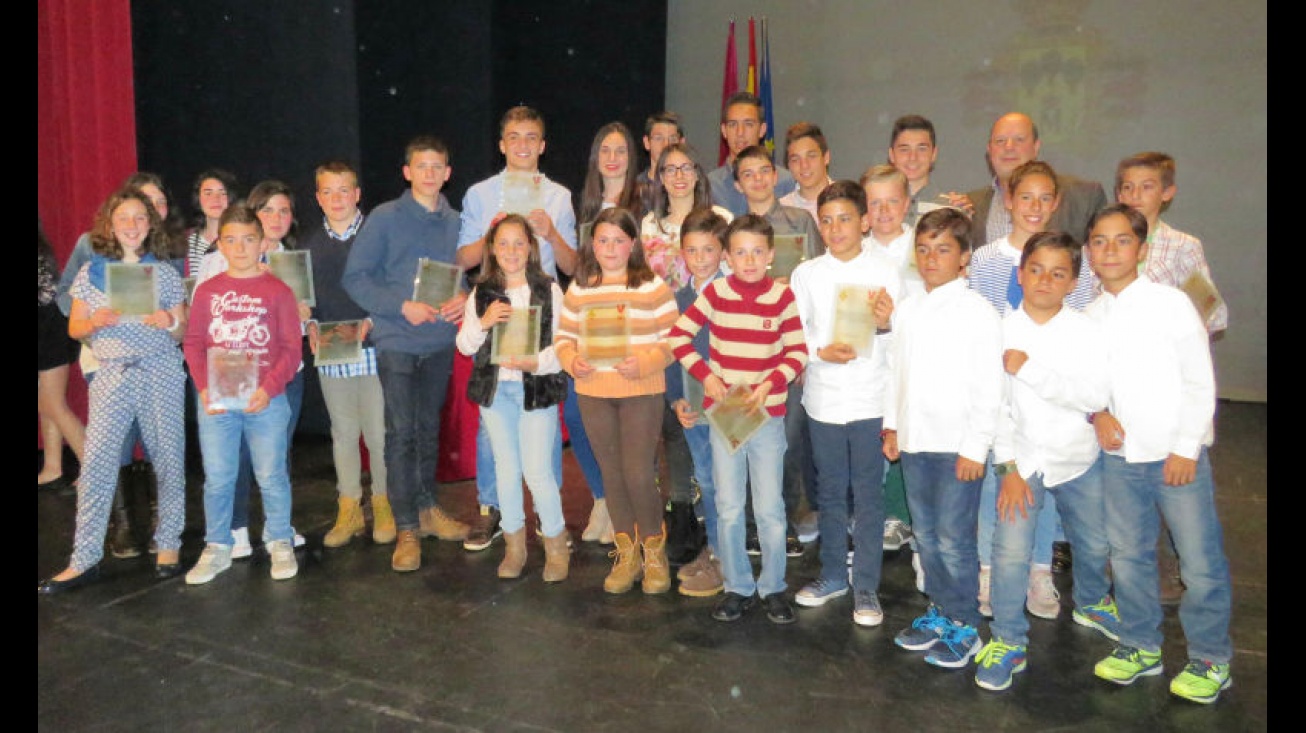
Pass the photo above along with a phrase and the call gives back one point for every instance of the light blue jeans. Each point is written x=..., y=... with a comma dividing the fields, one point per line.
x=944, y=514
x=220, y=438
x=758, y=466
x=487, y=482
x=523, y=442
x=1082, y=507
x=699, y=439
x=1134, y=494
x=1046, y=530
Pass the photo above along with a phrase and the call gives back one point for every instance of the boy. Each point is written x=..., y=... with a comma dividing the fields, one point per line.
x=843, y=393
x=1156, y=433
x=940, y=417
x=249, y=309
x=660, y=130
x=521, y=140
x=414, y=341
x=352, y=392
x=756, y=340
x=808, y=155
x=1146, y=181
x=742, y=126
x=1032, y=198
x=755, y=177
x=913, y=150
x=1054, y=358
x=700, y=245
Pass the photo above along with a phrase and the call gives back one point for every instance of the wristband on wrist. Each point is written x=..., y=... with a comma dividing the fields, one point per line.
x=1002, y=469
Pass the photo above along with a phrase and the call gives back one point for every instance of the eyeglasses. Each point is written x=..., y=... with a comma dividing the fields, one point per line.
x=684, y=169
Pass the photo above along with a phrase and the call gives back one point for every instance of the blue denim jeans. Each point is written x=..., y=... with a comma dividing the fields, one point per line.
x=757, y=467
x=849, y=456
x=1135, y=492
x=1082, y=506
x=221, y=436
x=699, y=439
x=580, y=442
x=245, y=473
x=945, y=520
x=523, y=443
x=487, y=483
x=414, y=387
x=1046, y=530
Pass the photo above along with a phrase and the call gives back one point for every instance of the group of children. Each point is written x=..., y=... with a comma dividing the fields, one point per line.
x=959, y=366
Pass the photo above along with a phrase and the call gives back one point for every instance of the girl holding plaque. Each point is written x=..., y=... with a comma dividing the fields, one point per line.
x=140, y=378
x=508, y=330
x=611, y=338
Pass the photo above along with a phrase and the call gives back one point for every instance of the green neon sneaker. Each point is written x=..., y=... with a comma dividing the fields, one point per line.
x=1127, y=664
x=1201, y=681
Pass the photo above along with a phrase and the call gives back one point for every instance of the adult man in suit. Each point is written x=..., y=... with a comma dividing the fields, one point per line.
x=1013, y=141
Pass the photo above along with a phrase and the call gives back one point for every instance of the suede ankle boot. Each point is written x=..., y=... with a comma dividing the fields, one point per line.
x=657, y=571
x=383, y=520
x=349, y=523
x=514, y=554
x=557, y=557
x=626, y=567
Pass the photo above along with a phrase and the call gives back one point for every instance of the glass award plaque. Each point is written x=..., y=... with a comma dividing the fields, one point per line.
x=132, y=289
x=339, y=342
x=436, y=282
x=517, y=336
x=854, y=321
x=189, y=284
x=693, y=394
x=732, y=418
x=1199, y=289
x=790, y=249
x=233, y=378
x=295, y=268
x=604, y=334
x=522, y=192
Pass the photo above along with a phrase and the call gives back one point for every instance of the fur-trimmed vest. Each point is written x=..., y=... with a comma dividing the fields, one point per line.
x=540, y=390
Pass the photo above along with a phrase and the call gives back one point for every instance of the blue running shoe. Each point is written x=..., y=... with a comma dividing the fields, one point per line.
x=924, y=631
x=954, y=650
x=1101, y=616
x=998, y=661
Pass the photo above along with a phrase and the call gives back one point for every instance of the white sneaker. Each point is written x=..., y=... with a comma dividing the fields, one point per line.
x=896, y=534
x=214, y=559
x=241, y=549
x=299, y=540
x=1042, y=598
x=920, y=571
x=284, y=565
x=985, y=591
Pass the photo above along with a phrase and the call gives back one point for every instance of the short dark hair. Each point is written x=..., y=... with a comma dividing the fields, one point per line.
x=1137, y=221
x=703, y=220
x=800, y=130
x=425, y=143
x=743, y=98
x=751, y=223
x=665, y=117
x=911, y=122
x=1161, y=162
x=752, y=151
x=521, y=113
x=1032, y=168
x=843, y=190
x=240, y=213
x=1053, y=239
x=946, y=219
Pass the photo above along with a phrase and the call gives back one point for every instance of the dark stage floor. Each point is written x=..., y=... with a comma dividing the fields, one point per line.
x=349, y=645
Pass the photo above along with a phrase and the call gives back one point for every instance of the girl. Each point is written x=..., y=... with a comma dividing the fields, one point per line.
x=140, y=378
x=683, y=188
x=519, y=395
x=54, y=352
x=214, y=190
x=622, y=405
x=610, y=180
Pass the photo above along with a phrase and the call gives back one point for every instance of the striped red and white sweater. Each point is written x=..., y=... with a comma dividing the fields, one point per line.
x=754, y=336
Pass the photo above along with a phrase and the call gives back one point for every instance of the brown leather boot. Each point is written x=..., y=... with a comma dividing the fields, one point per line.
x=627, y=567
x=657, y=571
x=383, y=520
x=408, y=552
x=435, y=522
x=557, y=557
x=349, y=523
x=514, y=554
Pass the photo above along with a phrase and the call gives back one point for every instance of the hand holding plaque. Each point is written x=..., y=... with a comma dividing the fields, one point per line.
x=517, y=337
x=854, y=316
x=436, y=282
x=132, y=289
x=233, y=378
x=294, y=267
x=604, y=334
x=735, y=417
x=522, y=192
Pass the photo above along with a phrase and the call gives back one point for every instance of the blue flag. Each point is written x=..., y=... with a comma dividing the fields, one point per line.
x=764, y=90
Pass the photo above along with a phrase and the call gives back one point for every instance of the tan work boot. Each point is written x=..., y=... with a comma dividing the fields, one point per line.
x=514, y=554
x=557, y=557
x=436, y=523
x=408, y=552
x=627, y=568
x=383, y=520
x=349, y=523
x=599, y=521
x=657, y=571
